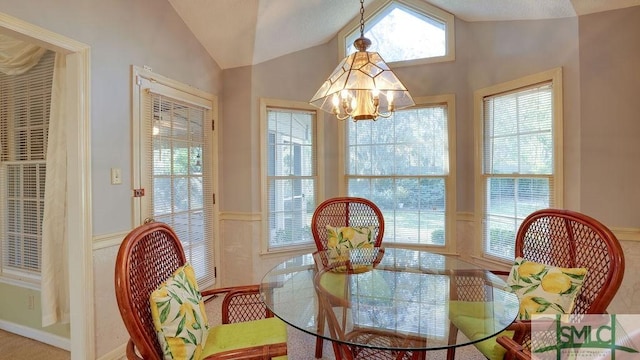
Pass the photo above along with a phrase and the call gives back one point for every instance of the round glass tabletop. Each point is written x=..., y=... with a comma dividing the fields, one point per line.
x=416, y=300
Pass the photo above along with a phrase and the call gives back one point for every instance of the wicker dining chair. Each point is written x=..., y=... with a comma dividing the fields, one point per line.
x=565, y=238
x=341, y=212
x=334, y=304
x=149, y=255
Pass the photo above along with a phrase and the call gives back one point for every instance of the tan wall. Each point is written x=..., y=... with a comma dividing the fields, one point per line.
x=610, y=116
x=21, y=306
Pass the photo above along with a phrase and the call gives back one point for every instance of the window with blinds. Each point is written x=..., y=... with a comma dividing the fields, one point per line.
x=291, y=175
x=179, y=172
x=402, y=164
x=24, y=122
x=518, y=162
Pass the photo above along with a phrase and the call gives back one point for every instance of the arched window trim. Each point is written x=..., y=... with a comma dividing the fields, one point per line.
x=379, y=7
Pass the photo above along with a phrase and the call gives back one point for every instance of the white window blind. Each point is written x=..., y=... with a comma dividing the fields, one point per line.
x=179, y=172
x=402, y=165
x=518, y=162
x=24, y=121
x=291, y=175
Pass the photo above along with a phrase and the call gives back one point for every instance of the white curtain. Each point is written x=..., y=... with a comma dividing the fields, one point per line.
x=17, y=57
x=54, y=285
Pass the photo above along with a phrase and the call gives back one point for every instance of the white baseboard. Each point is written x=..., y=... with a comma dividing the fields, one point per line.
x=119, y=353
x=38, y=335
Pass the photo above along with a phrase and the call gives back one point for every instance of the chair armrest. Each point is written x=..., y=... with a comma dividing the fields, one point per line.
x=521, y=329
x=240, y=303
x=514, y=350
x=224, y=290
x=501, y=272
x=131, y=351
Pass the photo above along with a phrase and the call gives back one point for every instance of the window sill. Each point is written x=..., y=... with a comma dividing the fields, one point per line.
x=19, y=281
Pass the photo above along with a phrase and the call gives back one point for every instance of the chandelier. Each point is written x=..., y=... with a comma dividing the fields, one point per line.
x=362, y=86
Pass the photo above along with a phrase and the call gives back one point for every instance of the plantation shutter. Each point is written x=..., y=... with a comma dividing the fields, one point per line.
x=178, y=171
x=24, y=122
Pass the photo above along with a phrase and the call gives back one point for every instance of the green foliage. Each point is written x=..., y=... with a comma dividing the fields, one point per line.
x=502, y=241
x=437, y=236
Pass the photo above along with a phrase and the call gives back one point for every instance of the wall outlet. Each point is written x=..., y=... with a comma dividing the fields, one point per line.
x=31, y=302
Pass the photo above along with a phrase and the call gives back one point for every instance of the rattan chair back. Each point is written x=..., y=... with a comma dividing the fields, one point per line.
x=148, y=256
x=567, y=238
x=346, y=211
x=571, y=239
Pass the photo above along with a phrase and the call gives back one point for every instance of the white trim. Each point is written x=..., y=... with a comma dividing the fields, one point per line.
x=118, y=353
x=240, y=216
x=169, y=91
x=38, y=335
x=19, y=282
x=79, y=218
x=465, y=216
x=627, y=234
x=165, y=86
x=108, y=240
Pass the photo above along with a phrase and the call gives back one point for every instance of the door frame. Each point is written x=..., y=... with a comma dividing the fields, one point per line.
x=79, y=213
x=183, y=92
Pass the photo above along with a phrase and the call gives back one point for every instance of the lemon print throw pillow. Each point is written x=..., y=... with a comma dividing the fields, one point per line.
x=544, y=289
x=347, y=237
x=179, y=316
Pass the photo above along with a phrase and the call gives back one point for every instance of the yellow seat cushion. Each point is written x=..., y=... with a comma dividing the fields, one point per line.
x=335, y=284
x=475, y=321
x=475, y=328
x=227, y=337
x=372, y=283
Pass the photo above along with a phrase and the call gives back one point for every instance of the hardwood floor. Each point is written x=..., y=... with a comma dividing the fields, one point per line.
x=16, y=347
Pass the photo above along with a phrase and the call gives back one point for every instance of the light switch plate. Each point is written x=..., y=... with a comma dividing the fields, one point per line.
x=116, y=176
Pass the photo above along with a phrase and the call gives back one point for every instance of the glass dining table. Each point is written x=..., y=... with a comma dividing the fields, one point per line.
x=416, y=299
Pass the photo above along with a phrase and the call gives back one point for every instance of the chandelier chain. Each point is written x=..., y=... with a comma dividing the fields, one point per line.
x=361, y=18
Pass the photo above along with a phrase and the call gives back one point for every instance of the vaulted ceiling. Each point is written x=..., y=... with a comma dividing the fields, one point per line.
x=248, y=32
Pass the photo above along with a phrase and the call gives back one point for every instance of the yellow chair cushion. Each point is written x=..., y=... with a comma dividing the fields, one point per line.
x=240, y=335
x=335, y=284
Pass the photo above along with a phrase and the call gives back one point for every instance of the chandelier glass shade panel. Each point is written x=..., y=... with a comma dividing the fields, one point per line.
x=362, y=86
